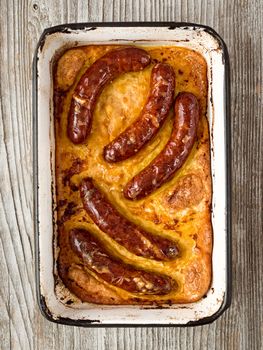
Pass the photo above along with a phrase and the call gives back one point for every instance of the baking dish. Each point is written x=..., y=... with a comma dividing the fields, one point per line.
x=210, y=45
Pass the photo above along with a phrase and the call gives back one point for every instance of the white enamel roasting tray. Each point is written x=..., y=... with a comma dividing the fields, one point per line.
x=207, y=42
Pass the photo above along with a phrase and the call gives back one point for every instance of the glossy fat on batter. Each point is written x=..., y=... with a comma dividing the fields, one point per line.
x=180, y=210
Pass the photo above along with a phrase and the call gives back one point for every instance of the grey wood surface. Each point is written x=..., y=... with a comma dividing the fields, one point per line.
x=240, y=23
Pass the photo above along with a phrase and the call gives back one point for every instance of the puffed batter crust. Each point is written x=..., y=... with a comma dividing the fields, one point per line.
x=180, y=210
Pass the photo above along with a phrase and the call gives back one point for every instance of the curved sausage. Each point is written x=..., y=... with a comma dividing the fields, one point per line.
x=124, y=232
x=174, y=154
x=156, y=109
x=88, y=89
x=119, y=274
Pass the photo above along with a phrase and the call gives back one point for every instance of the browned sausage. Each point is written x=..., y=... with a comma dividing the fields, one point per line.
x=126, y=233
x=156, y=109
x=174, y=154
x=119, y=274
x=100, y=73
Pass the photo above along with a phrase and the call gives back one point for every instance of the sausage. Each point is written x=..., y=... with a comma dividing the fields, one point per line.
x=156, y=109
x=174, y=154
x=100, y=73
x=124, y=232
x=117, y=273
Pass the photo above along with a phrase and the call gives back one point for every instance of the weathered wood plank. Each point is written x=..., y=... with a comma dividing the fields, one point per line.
x=21, y=325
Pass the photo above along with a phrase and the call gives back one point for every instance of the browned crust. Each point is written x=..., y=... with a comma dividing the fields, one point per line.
x=181, y=209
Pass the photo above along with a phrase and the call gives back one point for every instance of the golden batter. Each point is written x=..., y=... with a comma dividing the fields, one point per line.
x=179, y=210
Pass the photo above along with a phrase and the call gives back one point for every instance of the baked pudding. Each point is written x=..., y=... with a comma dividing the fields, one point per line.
x=133, y=181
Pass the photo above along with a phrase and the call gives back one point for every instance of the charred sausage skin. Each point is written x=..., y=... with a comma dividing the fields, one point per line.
x=91, y=84
x=156, y=109
x=174, y=154
x=124, y=232
x=121, y=275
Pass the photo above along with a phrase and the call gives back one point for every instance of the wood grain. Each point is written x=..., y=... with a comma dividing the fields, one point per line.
x=239, y=22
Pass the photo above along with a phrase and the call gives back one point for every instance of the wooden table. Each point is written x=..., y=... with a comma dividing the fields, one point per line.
x=21, y=324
